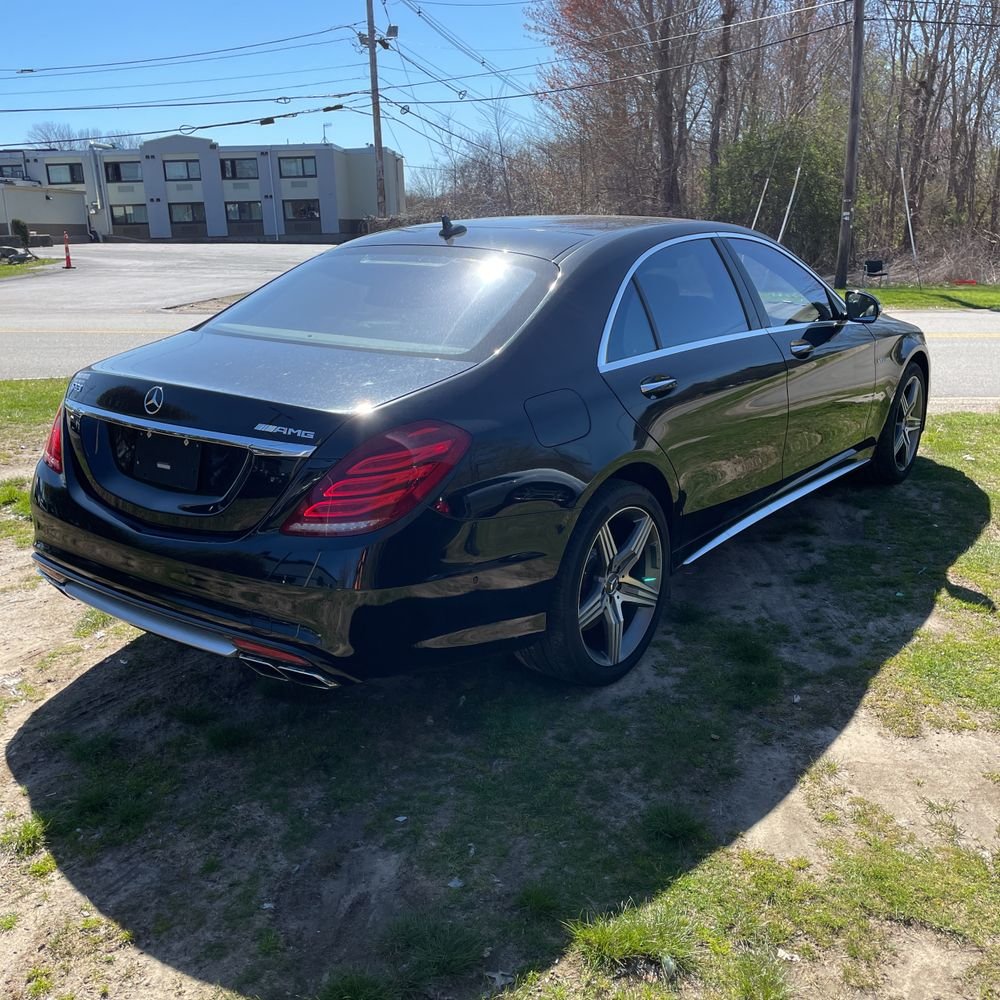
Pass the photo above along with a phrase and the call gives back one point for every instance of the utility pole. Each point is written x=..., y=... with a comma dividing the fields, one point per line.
x=851, y=159
x=376, y=114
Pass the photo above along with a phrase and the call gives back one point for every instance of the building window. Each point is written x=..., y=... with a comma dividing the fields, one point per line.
x=129, y=215
x=297, y=166
x=302, y=209
x=181, y=211
x=65, y=173
x=118, y=173
x=182, y=170
x=243, y=211
x=239, y=170
x=12, y=171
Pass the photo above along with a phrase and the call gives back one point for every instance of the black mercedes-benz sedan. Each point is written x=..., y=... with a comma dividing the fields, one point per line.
x=505, y=432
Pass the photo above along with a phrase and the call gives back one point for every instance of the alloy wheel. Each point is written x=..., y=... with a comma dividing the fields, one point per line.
x=909, y=420
x=621, y=585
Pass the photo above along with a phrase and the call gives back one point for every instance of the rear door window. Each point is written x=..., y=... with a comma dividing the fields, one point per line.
x=690, y=294
x=789, y=293
x=412, y=300
x=631, y=335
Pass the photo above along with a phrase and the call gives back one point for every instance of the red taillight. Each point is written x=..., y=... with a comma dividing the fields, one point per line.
x=52, y=456
x=380, y=481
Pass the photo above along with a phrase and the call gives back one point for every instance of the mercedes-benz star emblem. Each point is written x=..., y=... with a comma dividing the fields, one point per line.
x=154, y=399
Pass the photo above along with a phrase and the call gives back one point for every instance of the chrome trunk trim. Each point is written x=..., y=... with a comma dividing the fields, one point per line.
x=259, y=446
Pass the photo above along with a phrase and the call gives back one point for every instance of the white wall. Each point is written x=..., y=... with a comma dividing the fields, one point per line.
x=45, y=215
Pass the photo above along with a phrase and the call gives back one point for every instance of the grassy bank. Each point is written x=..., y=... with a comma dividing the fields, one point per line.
x=938, y=297
x=14, y=270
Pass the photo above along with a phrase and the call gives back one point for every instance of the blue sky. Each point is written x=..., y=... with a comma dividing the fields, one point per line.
x=61, y=34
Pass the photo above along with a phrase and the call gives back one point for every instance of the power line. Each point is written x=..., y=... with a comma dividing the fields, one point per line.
x=447, y=80
x=185, y=62
x=479, y=98
x=182, y=129
x=198, y=100
x=185, y=83
x=491, y=3
x=451, y=37
x=635, y=76
x=406, y=110
x=283, y=99
x=935, y=20
x=185, y=55
x=406, y=71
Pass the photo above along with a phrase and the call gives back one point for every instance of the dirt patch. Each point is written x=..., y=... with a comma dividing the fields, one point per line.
x=926, y=966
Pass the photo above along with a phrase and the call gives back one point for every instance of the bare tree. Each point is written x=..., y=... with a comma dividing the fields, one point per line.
x=59, y=135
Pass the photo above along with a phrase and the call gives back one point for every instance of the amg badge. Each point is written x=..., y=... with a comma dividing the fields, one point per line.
x=287, y=431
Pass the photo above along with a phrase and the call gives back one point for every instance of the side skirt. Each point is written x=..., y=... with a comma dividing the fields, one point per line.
x=818, y=478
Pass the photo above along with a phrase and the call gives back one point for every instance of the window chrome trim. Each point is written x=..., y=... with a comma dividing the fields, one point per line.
x=259, y=446
x=691, y=345
x=603, y=365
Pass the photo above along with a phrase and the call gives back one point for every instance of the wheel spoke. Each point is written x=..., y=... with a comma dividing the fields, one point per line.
x=637, y=592
x=606, y=545
x=614, y=627
x=592, y=609
x=900, y=440
x=633, y=548
x=906, y=403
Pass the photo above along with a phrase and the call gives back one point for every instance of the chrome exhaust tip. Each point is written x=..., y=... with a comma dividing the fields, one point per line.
x=303, y=676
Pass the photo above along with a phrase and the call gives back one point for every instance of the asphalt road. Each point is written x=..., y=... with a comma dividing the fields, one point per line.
x=54, y=322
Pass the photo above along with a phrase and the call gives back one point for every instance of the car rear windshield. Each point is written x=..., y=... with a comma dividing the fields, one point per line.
x=412, y=300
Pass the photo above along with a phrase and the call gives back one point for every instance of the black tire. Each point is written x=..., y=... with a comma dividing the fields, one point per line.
x=896, y=449
x=629, y=606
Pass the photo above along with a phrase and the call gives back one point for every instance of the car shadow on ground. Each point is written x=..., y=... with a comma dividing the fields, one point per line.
x=440, y=826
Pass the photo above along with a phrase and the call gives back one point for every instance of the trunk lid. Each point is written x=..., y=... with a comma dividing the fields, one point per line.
x=205, y=433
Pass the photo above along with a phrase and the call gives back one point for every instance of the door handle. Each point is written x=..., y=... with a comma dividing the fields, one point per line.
x=801, y=348
x=657, y=385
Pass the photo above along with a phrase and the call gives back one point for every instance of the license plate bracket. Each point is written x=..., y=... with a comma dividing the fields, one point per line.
x=167, y=461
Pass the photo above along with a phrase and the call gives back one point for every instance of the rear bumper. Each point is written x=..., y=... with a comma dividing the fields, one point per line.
x=185, y=629
x=350, y=609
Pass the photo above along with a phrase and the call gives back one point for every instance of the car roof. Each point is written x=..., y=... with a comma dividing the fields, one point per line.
x=547, y=236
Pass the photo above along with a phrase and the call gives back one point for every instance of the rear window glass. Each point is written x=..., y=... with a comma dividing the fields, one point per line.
x=411, y=300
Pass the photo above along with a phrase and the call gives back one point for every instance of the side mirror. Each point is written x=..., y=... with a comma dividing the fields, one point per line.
x=862, y=307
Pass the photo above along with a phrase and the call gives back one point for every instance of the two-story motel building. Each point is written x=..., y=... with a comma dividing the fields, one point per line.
x=186, y=188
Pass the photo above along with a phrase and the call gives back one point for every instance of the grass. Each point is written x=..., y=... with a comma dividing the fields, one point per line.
x=14, y=270
x=357, y=986
x=15, y=512
x=623, y=941
x=91, y=622
x=118, y=789
x=38, y=982
x=27, y=407
x=425, y=949
x=938, y=296
x=24, y=838
x=45, y=865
